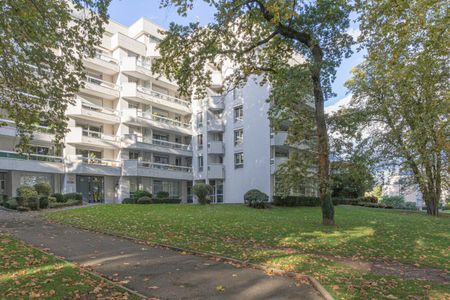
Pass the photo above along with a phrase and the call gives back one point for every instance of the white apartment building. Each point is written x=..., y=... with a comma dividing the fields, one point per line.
x=130, y=130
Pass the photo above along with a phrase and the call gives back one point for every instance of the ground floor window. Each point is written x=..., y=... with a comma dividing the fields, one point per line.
x=92, y=188
x=217, y=195
x=172, y=187
x=32, y=179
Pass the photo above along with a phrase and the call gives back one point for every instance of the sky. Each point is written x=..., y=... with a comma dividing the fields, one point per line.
x=127, y=12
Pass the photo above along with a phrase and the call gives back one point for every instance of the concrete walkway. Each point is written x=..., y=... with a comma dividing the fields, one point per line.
x=152, y=271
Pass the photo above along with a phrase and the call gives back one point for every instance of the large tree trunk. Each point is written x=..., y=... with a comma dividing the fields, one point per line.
x=432, y=202
x=322, y=144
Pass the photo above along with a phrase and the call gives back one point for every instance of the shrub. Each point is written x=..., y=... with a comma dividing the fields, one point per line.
x=33, y=203
x=43, y=202
x=166, y=201
x=11, y=203
x=139, y=194
x=21, y=201
x=129, y=201
x=409, y=206
x=345, y=201
x=73, y=196
x=26, y=192
x=5, y=199
x=59, y=197
x=395, y=201
x=162, y=195
x=144, y=200
x=256, y=199
x=371, y=199
x=446, y=206
x=296, y=201
x=51, y=199
x=202, y=191
x=22, y=208
x=71, y=202
x=43, y=188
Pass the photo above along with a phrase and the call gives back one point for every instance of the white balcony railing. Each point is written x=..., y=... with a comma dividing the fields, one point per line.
x=164, y=97
x=105, y=57
x=93, y=161
x=144, y=64
x=30, y=156
x=166, y=167
x=100, y=135
x=105, y=110
x=38, y=128
x=102, y=83
x=170, y=144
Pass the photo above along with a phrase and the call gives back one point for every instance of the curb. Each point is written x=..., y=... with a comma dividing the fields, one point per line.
x=314, y=282
x=96, y=275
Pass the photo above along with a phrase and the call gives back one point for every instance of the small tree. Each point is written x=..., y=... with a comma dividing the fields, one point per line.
x=202, y=191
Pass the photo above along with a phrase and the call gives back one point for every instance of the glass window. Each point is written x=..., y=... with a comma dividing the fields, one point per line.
x=238, y=136
x=239, y=160
x=161, y=159
x=199, y=120
x=200, y=163
x=238, y=113
x=133, y=155
x=200, y=141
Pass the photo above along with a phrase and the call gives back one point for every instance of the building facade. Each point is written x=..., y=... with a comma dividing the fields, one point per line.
x=129, y=130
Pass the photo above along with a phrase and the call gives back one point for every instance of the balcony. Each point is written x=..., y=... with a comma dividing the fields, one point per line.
x=31, y=162
x=216, y=79
x=77, y=164
x=42, y=133
x=216, y=103
x=276, y=162
x=216, y=147
x=156, y=170
x=100, y=88
x=141, y=94
x=216, y=171
x=139, y=118
x=135, y=141
x=278, y=138
x=103, y=63
x=89, y=111
x=215, y=125
x=92, y=139
x=133, y=66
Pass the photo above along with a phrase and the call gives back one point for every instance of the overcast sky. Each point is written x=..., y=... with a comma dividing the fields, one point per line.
x=128, y=11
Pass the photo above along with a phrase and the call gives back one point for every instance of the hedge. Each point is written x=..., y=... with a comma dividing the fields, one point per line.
x=71, y=202
x=296, y=201
x=166, y=201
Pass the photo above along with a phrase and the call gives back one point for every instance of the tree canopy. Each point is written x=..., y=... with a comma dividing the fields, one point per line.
x=267, y=39
x=401, y=102
x=42, y=44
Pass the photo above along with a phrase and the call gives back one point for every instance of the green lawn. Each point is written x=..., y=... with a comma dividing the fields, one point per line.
x=293, y=239
x=26, y=273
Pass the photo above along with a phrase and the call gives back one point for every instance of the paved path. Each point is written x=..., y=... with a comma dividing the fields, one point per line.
x=152, y=271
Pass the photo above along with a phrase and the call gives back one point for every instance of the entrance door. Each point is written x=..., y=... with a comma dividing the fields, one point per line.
x=91, y=187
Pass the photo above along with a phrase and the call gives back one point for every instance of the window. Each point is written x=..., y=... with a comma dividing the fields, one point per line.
x=133, y=105
x=200, y=163
x=161, y=159
x=238, y=136
x=238, y=113
x=239, y=160
x=89, y=154
x=199, y=120
x=133, y=155
x=160, y=136
x=172, y=187
x=91, y=130
x=200, y=141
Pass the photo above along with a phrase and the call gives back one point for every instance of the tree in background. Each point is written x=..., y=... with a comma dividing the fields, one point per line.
x=41, y=49
x=262, y=38
x=401, y=102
